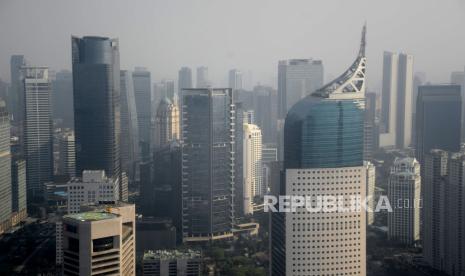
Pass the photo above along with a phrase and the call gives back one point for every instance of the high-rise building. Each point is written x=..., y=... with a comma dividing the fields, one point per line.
x=184, y=79
x=297, y=78
x=252, y=165
x=434, y=180
x=397, y=101
x=93, y=187
x=235, y=79
x=67, y=154
x=18, y=188
x=371, y=127
x=129, y=147
x=438, y=119
x=202, y=77
x=143, y=94
x=239, y=160
x=16, y=104
x=38, y=137
x=62, y=99
x=404, y=190
x=169, y=91
x=458, y=78
x=5, y=169
x=320, y=160
x=371, y=186
x=96, y=86
x=265, y=108
x=269, y=153
x=166, y=122
x=207, y=134
x=100, y=242
x=172, y=262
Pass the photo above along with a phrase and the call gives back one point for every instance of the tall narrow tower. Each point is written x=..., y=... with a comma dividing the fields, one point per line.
x=323, y=156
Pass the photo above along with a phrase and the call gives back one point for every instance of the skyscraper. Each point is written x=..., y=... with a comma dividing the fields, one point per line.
x=129, y=127
x=202, y=77
x=18, y=187
x=458, y=78
x=404, y=190
x=321, y=160
x=239, y=160
x=235, y=79
x=166, y=123
x=397, y=97
x=16, y=104
x=100, y=241
x=67, y=154
x=96, y=85
x=252, y=165
x=438, y=119
x=297, y=78
x=371, y=127
x=143, y=94
x=62, y=98
x=5, y=169
x=434, y=172
x=38, y=137
x=371, y=186
x=265, y=104
x=207, y=133
x=184, y=79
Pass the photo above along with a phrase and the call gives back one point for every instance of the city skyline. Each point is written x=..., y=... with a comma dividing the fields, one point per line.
x=157, y=44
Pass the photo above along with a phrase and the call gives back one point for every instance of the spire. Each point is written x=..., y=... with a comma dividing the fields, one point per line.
x=351, y=83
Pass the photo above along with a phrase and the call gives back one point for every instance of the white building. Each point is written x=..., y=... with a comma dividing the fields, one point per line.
x=67, y=154
x=92, y=188
x=235, y=79
x=100, y=242
x=371, y=184
x=252, y=165
x=397, y=101
x=404, y=191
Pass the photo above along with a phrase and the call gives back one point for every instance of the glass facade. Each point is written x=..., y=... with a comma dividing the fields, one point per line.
x=324, y=133
x=96, y=86
x=208, y=162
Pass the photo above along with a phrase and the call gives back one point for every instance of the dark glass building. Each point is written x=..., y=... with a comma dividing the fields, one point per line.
x=96, y=84
x=438, y=119
x=143, y=95
x=208, y=163
x=62, y=99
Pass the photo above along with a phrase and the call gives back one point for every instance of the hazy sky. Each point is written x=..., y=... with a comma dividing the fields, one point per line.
x=251, y=35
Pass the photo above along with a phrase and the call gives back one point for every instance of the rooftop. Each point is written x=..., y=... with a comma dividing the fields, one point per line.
x=171, y=254
x=91, y=216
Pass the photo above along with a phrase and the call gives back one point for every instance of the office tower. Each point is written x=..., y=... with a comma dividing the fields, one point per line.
x=458, y=78
x=184, y=79
x=404, y=190
x=172, y=262
x=146, y=188
x=67, y=154
x=297, y=78
x=18, y=188
x=238, y=161
x=252, y=165
x=100, y=242
x=129, y=147
x=319, y=160
x=434, y=180
x=207, y=133
x=4, y=88
x=438, y=119
x=143, y=95
x=202, y=77
x=62, y=99
x=93, y=187
x=166, y=122
x=371, y=128
x=249, y=117
x=397, y=97
x=265, y=104
x=269, y=153
x=5, y=169
x=96, y=85
x=169, y=89
x=16, y=105
x=38, y=138
x=235, y=79
x=371, y=185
